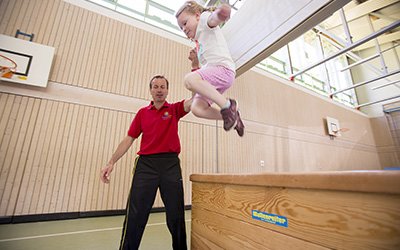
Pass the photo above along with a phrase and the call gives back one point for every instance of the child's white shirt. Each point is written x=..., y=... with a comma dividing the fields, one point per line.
x=212, y=49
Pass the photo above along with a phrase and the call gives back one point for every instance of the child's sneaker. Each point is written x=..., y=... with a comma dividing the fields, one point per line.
x=229, y=115
x=239, y=125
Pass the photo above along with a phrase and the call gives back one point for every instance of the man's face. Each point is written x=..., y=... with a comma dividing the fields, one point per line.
x=159, y=90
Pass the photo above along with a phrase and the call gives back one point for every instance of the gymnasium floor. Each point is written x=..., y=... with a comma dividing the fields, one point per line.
x=86, y=234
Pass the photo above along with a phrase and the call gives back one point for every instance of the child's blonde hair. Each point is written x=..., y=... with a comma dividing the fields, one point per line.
x=192, y=7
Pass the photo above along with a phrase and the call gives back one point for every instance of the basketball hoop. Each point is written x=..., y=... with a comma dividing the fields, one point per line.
x=7, y=67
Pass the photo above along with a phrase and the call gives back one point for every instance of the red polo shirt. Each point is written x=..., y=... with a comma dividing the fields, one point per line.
x=159, y=128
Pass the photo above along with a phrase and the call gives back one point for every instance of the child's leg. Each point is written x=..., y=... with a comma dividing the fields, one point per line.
x=195, y=83
x=202, y=109
x=209, y=83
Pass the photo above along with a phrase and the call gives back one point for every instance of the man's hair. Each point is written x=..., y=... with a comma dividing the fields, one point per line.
x=159, y=77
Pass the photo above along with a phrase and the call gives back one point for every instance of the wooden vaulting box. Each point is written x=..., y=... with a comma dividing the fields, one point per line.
x=320, y=210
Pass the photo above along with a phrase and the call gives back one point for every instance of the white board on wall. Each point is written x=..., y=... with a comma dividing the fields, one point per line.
x=33, y=60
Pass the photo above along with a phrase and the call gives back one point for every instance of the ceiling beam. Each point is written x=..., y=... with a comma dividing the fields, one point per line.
x=362, y=10
x=385, y=38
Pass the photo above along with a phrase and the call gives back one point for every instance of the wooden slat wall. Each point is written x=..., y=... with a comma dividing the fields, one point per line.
x=51, y=151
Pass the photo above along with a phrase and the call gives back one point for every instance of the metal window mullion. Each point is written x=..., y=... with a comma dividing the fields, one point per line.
x=328, y=81
x=345, y=27
x=377, y=47
x=290, y=59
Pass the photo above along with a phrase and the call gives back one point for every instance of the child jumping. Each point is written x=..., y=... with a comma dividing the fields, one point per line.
x=218, y=69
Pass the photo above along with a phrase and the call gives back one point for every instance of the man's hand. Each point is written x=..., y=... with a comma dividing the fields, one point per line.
x=106, y=172
x=194, y=59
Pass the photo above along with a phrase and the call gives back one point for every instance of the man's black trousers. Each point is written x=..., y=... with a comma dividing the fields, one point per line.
x=152, y=172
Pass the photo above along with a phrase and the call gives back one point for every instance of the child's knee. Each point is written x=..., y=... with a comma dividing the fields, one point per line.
x=188, y=82
x=196, y=110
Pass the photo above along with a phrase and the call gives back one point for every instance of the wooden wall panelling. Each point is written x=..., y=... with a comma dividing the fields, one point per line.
x=9, y=141
x=93, y=163
x=49, y=22
x=67, y=164
x=114, y=140
x=60, y=34
x=58, y=164
x=91, y=49
x=73, y=51
x=119, y=178
x=27, y=182
x=88, y=163
x=87, y=47
x=6, y=108
x=118, y=192
x=108, y=64
x=136, y=71
x=124, y=174
x=49, y=165
x=146, y=67
x=85, y=167
x=128, y=162
x=96, y=71
x=74, y=174
x=191, y=136
x=23, y=16
x=85, y=58
x=118, y=136
x=120, y=56
x=126, y=69
x=40, y=163
x=27, y=17
x=110, y=59
x=96, y=197
x=131, y=160
x=91, y=166
x=15, y=129
x=53, y=35
x=93, y=190
x=70, y=25
x=5, y=14
x=23, y=166
x=15, y=12
x=39, y=15
x=105, y=192
x=99, y=192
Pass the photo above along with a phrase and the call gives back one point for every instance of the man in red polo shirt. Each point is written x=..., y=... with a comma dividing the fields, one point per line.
x=157, y=166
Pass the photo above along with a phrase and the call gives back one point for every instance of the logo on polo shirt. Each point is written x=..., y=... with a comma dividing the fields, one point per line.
x=166, y=115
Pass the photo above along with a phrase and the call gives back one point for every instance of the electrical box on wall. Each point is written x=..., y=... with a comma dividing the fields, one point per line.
x=333, y=126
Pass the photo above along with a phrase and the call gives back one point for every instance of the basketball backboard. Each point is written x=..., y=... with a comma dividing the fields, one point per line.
x=30, y=62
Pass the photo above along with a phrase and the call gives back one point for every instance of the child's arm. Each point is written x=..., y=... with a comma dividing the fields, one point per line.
x=220, y=15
